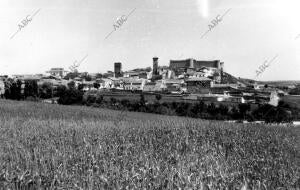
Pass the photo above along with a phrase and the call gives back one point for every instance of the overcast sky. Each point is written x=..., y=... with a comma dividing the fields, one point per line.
x=64, y=31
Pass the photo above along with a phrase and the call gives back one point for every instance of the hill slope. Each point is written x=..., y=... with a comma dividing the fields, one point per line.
x=228, y=78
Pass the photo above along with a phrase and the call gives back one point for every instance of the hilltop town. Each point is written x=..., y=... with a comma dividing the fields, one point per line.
x=182, y=80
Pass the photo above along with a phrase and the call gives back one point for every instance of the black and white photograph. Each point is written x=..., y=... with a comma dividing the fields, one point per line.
x=150, y=94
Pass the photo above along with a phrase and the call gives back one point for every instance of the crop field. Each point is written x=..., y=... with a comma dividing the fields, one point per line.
x=294, y=101
x=45, y=146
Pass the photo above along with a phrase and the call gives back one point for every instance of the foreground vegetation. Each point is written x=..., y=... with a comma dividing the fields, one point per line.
x=283, y=113
x=78, y=147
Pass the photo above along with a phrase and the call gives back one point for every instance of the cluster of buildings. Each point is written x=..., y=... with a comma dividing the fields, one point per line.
x=181, y=76
x=190, y=78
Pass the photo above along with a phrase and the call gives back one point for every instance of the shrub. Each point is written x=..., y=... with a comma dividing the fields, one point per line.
x=13, y=89
x=99, y=99
x=211, y=109
x=158, y=97
x=142, y=99
x=31, y=88
x=71, y=85
x=223, y=110
x=89, y=99
x=32, y=99
x=60, y=90
x=96, y=85
x=243, y=109
x=80, y=86
x=71, y=96
x=46, y=90
x=113, y=100
x=183, y=109
x=234, y=113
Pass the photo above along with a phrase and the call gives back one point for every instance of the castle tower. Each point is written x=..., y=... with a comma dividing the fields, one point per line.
x=155, y=66
x=118, y=69
x=221, y=73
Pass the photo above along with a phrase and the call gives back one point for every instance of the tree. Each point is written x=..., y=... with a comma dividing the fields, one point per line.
x=265, y=112
x=223, y=110
x=31, y=88
x=99, y=75
x=125, y=103
x=142, y=99
x=70, y=96
x=71, y=85
x=46, y=90
x=99, y=99
x=71, y=75
x=86, y=76
x=7, y=85
x=183, y=108
x=211, y=109
x=60, y=90
x=113, y=100
x=12, y=89
x=158, y=97
x=96, y=85
x=234, y=113
x=90, y=99
x=80, y=87
x=195, y=110
x=243, y=108
x=19, y=89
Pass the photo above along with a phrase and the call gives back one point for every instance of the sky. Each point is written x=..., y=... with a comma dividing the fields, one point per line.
x=251, y=33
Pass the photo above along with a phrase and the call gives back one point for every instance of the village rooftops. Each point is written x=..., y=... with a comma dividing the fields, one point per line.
x=198, y=79
x=132, y=80
x=54, y=82
x=28, y=77
x=224, y=85
x=132, y=72
x=173, y=81
x=78, y=78
x=150, y=84
x=88, y=82
x=114, y=78
x=198, y=73
x=50, y=77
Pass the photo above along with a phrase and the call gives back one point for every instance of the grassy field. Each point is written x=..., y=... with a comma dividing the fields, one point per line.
x=78, y=147
x=294, y=101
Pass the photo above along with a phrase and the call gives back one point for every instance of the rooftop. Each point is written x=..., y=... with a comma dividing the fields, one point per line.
x=198, y=79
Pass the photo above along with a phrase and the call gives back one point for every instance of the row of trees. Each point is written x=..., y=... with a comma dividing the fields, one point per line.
x=266, y=112
x=31, y=90
x=13, y=89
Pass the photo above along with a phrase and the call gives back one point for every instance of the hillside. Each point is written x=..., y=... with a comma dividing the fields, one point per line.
x=281, y=83
x=228, y=78
x=77, y=147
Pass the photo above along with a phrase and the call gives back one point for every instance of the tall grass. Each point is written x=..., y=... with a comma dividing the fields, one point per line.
x=73, y=147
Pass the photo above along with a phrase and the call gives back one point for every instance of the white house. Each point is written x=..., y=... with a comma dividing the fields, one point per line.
x=2, y=87
x=274, y=98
